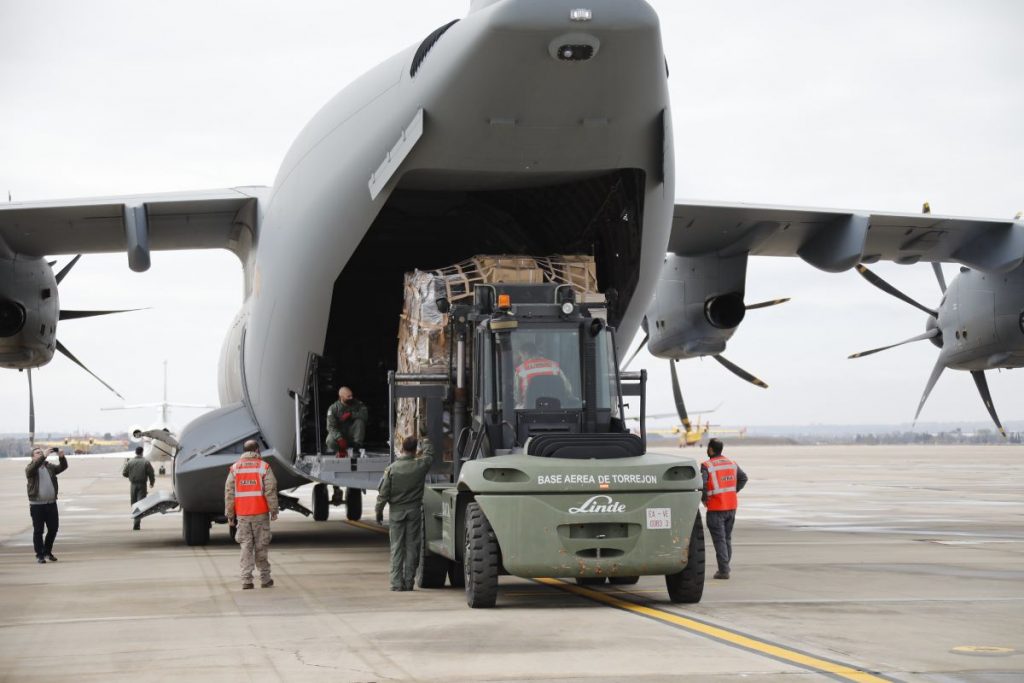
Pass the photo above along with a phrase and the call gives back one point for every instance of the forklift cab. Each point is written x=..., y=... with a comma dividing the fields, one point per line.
x=543, y=367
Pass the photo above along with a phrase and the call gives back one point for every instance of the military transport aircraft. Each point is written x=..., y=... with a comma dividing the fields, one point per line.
x=525, y=127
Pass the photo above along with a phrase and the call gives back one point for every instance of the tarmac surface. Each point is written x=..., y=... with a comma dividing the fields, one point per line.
x=851, y=563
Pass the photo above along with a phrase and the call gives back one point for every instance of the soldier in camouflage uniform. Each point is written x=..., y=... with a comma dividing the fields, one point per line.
x=250, y=503
x=138, y=471
x=402, y=489
x=346, y=421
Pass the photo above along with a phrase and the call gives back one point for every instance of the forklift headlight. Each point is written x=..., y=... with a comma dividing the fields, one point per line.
x=568, y=308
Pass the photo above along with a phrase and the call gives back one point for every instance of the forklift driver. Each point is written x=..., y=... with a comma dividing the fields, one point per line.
x=531, y=365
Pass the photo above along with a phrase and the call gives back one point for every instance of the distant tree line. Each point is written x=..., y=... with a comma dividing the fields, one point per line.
x=955, y=437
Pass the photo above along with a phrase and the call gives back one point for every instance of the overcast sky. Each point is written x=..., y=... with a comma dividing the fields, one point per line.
x=868, y=104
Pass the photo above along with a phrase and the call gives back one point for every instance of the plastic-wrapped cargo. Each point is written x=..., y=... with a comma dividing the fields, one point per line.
x=423, y=345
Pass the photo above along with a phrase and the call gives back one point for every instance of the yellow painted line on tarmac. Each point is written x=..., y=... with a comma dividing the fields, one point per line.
x=369, y=527
x=779, y=652
x=983, y=650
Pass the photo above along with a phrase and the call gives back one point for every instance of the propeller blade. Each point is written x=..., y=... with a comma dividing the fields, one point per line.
x=73, y=315
x=937, y=267
x=677, y=394
x=982, y=384
x=936, y=371
x=63, y=349
x=926, y=335
x=889, y=289
x=740, y=372
x=31, y=411
x=766, y=304
x=642, y=345
x=64, y=271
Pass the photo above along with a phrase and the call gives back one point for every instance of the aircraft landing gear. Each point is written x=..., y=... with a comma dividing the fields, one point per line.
x=354, y=503
x=321, y=505
x=195, y=528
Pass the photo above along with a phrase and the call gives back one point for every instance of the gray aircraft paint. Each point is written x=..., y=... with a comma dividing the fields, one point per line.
x=478, y=133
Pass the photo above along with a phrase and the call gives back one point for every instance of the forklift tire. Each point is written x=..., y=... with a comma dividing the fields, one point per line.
x=688, y=585
x=354, y=504
x=480, y=558
x=433, y=570
x=195, y=528
x=321, y=503
x=589, y=580
x=456, y=574
x=623, y=580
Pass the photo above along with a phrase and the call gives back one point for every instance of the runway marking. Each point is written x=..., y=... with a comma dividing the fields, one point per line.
x=837, y=670
x=735, y=638
x=369, y=527
x=983, y=650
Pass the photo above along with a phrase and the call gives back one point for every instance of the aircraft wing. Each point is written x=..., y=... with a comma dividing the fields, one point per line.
x=834, y=240
x=136, y=224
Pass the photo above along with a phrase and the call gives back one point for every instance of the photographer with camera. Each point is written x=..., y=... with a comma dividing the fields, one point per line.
x=42, y=500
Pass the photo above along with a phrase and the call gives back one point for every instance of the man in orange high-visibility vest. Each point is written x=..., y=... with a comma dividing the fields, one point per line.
x=723, y=479
x=250, y=504
x=531, y=364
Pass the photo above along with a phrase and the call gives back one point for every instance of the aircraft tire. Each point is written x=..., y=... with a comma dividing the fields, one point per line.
x=456, y=574
x=480, y=559
x=589, y=580
x=321, y=503
x=688, y=585
x=623, y=580
x=354, y=504
x=195, y=528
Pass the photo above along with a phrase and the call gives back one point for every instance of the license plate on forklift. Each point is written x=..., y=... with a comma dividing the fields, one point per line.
x=659, y=518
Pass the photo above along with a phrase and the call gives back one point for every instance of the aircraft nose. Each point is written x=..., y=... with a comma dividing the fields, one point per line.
x=597, y=15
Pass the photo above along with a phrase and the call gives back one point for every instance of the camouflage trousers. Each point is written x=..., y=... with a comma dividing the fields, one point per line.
x=253, y=534
x=405, y=528
x=138, y=492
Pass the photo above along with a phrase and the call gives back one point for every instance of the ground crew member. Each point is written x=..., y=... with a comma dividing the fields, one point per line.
x=250, y=504
x=402, y=489
x=138, y=471
x=346, y=428
x=346, y=422
x=532, y=365
x=723, y=479
x=42, y=501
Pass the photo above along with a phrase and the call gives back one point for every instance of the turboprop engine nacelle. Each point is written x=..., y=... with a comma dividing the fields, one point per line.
x=29, y=309
x=697, y=305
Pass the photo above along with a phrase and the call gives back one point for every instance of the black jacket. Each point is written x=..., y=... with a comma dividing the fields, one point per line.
x=33, y=482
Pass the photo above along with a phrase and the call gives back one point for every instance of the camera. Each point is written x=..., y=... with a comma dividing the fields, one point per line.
x=53, y=449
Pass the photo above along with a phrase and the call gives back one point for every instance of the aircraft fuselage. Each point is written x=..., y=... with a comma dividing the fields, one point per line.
x=520, y=149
